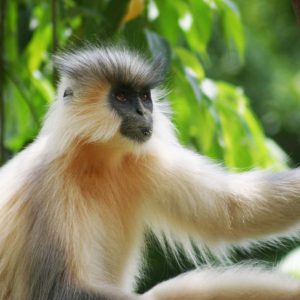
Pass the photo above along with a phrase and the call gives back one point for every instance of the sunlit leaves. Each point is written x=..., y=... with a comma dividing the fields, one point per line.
x=166, y=23
x=192, y=22
x=37, y=47
x=215, y=118
x=212, y=117
x=28, y=77
x=244, y=142
x=184, y=20
x=190, y=62
x=232, y=26
x=201, y=29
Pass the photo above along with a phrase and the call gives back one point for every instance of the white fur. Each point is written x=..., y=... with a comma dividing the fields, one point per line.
x=185, y=197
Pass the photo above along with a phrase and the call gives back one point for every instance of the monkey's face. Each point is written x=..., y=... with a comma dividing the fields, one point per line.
x=107, y=94
x=134, y=106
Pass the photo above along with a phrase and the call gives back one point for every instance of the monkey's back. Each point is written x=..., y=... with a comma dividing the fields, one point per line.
x=14, y=208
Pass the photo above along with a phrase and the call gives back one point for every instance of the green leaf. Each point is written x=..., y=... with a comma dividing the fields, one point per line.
x=190, y=61
x=166, y=23
x=202, y=21
x=37, y=48
x=44, y=87
x=19, y=126
x=233, y=27
x=195, y=116
x=23, y=94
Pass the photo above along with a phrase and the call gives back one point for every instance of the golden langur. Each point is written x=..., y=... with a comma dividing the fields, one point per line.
x=75, y=204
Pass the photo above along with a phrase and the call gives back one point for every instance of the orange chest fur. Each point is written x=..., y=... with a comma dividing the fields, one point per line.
x=106, y=183
x=121, y=186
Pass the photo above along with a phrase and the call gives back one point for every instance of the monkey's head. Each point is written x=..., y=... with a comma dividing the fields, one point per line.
x=107, y=92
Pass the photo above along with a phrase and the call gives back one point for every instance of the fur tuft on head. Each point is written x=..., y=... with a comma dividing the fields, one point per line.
x=110, y=64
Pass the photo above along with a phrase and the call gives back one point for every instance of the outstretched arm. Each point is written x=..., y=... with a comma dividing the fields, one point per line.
x=199, y=197
x=231, y=284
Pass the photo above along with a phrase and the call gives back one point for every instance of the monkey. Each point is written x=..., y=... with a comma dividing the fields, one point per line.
x=105, y=167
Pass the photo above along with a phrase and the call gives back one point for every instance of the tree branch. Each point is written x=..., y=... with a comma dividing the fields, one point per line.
x=296, y=6
x=54, y=33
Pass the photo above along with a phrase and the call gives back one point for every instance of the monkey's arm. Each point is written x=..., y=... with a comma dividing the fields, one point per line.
x=199, y=197
x=231, y=284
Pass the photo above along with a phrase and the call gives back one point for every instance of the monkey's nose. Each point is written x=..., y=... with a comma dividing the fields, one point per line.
x=140, y=111
x=146, y=131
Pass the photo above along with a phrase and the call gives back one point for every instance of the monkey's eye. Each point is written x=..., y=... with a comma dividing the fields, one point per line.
x=120, y=96
x=146, y=96
x=68, y=92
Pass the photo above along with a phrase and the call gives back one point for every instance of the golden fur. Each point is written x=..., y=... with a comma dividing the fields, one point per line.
x=74, y=205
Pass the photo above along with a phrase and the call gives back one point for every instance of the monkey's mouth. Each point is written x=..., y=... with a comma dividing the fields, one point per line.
x=138, y=134
x=146, y=131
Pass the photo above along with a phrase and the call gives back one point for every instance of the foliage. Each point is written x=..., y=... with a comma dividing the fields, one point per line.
x=270, y=72
x=291, y=264
x=212, y=116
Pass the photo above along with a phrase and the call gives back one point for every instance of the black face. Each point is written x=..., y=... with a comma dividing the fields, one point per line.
x=134, y=106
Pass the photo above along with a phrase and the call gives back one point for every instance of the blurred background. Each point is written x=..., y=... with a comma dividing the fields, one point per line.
x=233, y=82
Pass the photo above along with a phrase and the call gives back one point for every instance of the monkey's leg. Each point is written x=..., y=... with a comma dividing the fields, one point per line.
x=52, y=286
x=232, y=284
